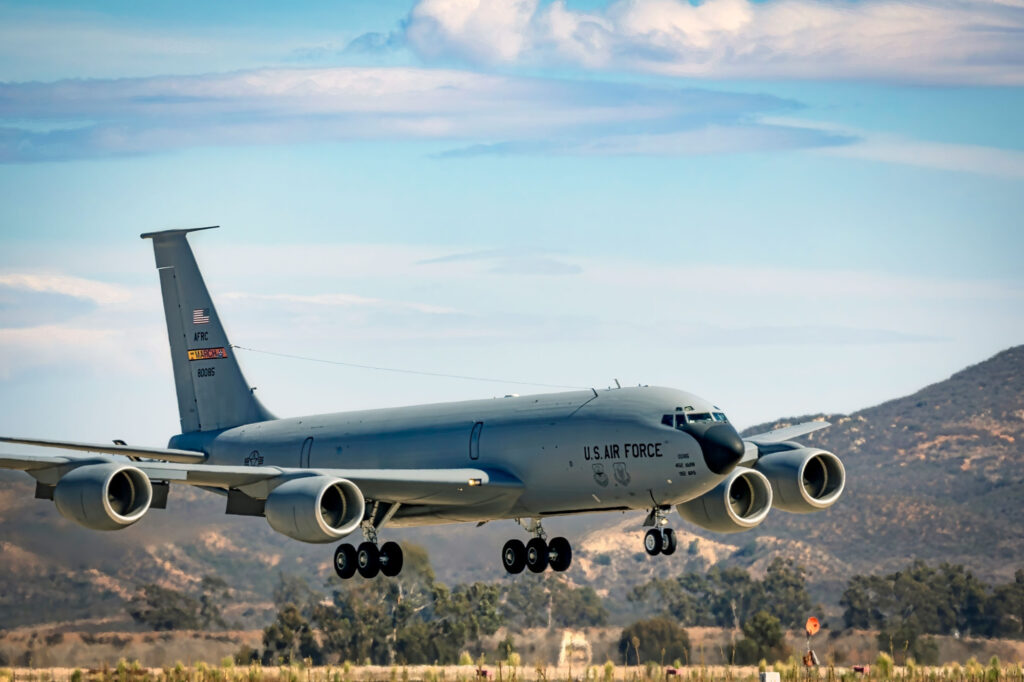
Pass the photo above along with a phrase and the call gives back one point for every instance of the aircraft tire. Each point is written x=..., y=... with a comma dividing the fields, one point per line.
x=345, y=561
x=668, y=542
x=513, y=556
x=368, y=560
x=391, y=559
x=653, y=542
x=559, y=554
x=537, y=555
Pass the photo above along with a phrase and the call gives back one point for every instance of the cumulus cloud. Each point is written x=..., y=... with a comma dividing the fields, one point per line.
x=945, y=41
x=476, y=112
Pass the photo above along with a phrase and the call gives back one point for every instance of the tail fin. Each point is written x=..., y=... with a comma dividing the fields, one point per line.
x=212, y=393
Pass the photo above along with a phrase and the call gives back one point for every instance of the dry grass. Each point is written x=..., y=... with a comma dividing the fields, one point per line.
x=883, y=671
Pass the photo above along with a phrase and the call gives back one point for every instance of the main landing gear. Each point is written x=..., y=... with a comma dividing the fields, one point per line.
x=368, y=559
x=658, y=540
x=537, y=554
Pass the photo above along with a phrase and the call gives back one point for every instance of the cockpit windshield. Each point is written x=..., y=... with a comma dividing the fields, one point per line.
x=680, y=419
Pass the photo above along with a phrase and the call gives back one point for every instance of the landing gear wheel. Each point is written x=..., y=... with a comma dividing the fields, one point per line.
x=513, y=556
x=345, y=561
x=537, y=555
x=559, y=554
x=368, y=560
x=653, y=541
x=390, y=559
x=668, y=541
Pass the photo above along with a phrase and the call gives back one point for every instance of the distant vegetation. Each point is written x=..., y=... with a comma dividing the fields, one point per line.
x=921, y=600
x=160, y=608
x=417, y=619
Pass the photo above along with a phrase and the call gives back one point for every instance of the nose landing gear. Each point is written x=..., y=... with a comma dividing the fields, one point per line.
x=658, y=540
x=537, y=554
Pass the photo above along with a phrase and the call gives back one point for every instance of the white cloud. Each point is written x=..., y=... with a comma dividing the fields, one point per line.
x=965, y=158
x=889, y=148
x=342, y=300
x=958, y=41
x=496, y=114
x=77, y=287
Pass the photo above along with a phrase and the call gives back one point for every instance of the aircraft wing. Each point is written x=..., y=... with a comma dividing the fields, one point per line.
x=788, y=432
x=118, y=448
x=408, y=486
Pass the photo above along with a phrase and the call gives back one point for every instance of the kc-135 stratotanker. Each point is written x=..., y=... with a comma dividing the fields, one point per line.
x=324, y=477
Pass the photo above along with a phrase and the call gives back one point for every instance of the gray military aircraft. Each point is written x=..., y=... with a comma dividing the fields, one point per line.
x=321, y=478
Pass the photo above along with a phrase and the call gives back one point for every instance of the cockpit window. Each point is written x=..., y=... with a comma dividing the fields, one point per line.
x=681, y=420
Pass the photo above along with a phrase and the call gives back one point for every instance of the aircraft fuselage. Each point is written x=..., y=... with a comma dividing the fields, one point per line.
x=579, y=451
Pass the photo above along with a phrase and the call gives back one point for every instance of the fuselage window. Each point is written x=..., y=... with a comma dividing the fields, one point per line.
x=667, y=420
x=720, y=417
x=699, y=417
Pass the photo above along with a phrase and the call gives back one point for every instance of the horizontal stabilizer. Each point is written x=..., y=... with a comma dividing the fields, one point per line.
x=788, y=432
x=165, y=454
x=151, y=235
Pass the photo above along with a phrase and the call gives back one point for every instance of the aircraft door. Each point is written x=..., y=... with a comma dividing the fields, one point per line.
x=307, y=448
x=474, y=440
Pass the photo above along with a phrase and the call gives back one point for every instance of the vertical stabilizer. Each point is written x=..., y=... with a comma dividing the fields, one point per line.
x=212, y=393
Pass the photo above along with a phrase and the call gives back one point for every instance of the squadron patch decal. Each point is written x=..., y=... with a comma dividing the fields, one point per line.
x=207, y=354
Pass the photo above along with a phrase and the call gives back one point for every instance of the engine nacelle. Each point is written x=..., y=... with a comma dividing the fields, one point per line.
x=803, y=479
x=315, y=508
x=103, y=496
x=738, y=503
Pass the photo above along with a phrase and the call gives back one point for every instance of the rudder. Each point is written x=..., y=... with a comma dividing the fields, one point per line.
x=212, y=392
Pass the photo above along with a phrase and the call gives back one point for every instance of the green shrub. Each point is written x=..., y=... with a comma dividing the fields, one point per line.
x=465, y=658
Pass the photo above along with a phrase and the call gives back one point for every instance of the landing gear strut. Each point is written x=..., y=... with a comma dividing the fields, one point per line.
x=538, y=554
x=659, y=540
x=369, y=559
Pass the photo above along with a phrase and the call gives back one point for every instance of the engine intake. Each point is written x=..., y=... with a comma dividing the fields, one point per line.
x=803, y=479
x=315, y=508
x=740, y=502
x=103, y=496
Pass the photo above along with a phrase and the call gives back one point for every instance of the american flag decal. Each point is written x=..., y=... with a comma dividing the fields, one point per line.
x=201, y=316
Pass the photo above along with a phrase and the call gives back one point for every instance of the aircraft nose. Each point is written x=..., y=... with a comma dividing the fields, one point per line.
x=722, y=447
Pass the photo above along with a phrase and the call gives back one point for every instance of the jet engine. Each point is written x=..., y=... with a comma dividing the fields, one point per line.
x=738, y=503
x=803, y=479
x=315, y=508
x=103, y=496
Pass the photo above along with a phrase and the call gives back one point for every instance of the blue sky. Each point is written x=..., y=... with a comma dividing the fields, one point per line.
x=787, y=206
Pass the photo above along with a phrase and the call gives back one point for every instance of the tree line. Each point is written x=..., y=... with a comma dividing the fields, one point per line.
x=923, y=600
x=416, y=619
